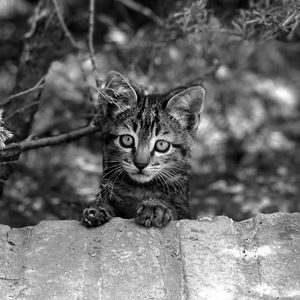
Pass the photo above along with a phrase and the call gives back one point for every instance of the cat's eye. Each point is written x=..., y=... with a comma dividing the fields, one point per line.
x=126, y=141
x=162, y=146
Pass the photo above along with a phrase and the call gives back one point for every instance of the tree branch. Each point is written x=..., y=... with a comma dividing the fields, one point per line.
x=50, y=141
x=34, y=63
x=38, y=85
x=144, y=10
x=20, y=110
x=91, y=44
x=64, y=26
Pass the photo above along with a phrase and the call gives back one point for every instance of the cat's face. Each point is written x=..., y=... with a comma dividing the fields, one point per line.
x=148, y=145
x=149, y=137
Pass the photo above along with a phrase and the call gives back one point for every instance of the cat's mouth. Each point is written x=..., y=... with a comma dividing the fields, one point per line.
x=141, y=176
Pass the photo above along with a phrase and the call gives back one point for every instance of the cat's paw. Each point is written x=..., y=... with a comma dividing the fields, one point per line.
x=95, y=216
x=149, y=214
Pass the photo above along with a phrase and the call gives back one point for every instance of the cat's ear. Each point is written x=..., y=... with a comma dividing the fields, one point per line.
x=186, y=107
x=120, y=91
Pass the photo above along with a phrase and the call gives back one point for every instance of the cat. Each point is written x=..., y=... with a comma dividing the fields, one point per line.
x=146, y=155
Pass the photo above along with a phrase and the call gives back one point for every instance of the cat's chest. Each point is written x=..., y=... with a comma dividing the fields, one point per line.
x=127, y=200
x=138, y=193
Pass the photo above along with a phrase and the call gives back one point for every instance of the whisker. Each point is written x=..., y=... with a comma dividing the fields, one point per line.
x=111, y=170
x=111, y=166
x=118, y=175
x=178, y=168
x=164, y=183
x=178, y=181
x=111, y=179
x=130, y=167
x=121, y=180
x=117, y=161
x=175, y=181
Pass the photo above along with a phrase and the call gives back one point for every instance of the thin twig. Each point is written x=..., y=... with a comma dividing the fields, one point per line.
x=38, y=85
x=64, y=26
x=295, y=30
x=21, y=109
x=54, y=140
x=146, y=11
x=87, y=88
x=73, y=42
x=43, y=131
x=90, y=42
x=289, y=19
x=78, y=133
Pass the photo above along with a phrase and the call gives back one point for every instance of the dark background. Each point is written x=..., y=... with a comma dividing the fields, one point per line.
x=246, y=53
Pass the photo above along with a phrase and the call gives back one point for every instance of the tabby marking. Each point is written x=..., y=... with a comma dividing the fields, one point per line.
x=147, y=151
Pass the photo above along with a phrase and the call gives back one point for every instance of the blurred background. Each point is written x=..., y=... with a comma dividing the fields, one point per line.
x=247, y=55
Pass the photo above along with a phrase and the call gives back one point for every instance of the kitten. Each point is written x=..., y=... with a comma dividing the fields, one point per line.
x=147, y=146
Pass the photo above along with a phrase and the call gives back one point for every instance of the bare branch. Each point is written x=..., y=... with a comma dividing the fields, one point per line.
x=88, y=94
x=38, y=85
x=91, y=44
x=146, y=11
x=34, y=62
x=64, y=26
x=53, y=140
x=20, y=109
x=73, y=42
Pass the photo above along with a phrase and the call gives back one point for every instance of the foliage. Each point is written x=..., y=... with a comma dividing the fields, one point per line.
x=218, y=35
x=4, y=134
x=246, y=55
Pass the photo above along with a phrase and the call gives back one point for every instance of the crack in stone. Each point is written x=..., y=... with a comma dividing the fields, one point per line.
x=9, y=279
x=254, y=242
x=255, y=239
x=19, y=250
x=100, y=286
x=84, y=270
x=250, y=256
x=25, y=245
x=100, y=280
x=9, y=245
x=5, y=255
x=184, y=289
x=162, y=264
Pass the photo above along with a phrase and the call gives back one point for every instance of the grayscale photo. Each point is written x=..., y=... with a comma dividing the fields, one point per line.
x=149, y=149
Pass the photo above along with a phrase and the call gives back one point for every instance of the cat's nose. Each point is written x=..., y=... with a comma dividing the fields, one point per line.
x=140, y=165
x=142, y=157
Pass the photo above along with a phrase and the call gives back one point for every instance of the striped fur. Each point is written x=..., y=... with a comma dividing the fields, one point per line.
x=140, y=180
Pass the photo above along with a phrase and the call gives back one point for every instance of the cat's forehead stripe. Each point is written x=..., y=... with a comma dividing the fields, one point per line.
x=148, y=120
x=134, y=126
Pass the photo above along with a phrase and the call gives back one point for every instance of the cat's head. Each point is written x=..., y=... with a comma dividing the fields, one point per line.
x=149, y=137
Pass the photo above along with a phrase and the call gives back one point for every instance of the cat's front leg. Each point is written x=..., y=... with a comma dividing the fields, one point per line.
x=97, y=214
x=154, y=213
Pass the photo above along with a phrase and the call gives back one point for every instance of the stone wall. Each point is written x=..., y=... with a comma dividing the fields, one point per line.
x=202, y=259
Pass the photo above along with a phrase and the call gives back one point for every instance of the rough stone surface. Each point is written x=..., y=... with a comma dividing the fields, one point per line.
x=210, y=258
